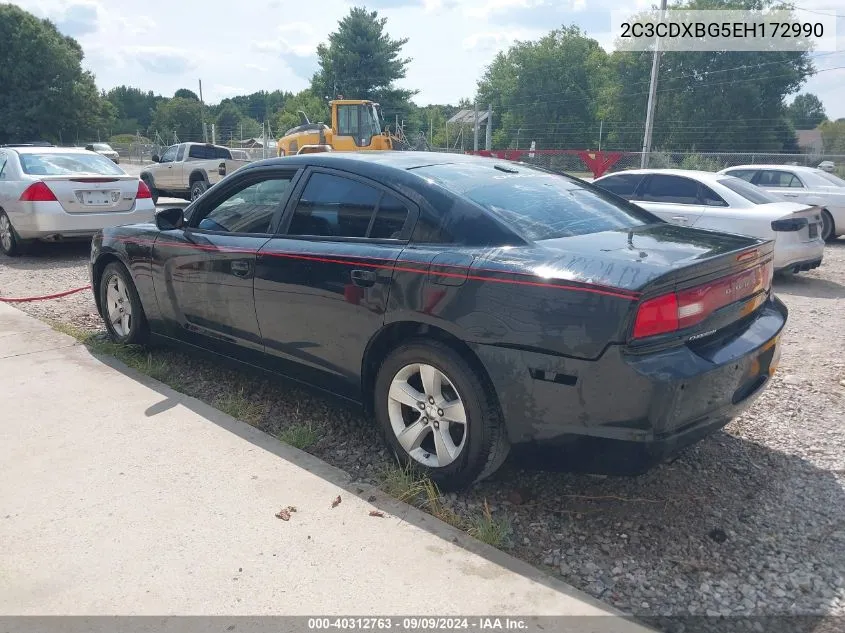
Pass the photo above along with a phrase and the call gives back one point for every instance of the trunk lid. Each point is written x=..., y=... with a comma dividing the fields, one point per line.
x=89, y=193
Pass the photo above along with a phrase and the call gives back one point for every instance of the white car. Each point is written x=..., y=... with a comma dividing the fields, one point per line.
x=801, y=184
x=54, y=193
x=705, y=200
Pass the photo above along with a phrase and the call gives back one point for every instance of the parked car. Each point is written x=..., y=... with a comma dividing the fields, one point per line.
x=104, y=149
x=54, y=193
x=469, y=303
x=801, y=184
x=719, y=202
x=188, y=169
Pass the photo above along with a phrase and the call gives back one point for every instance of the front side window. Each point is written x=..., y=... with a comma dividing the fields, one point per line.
x=670, y=189
x=170, y=155
x=180, y=154
x=249, y=209
x=333, y=206
x=347, y=124
x=60, y=164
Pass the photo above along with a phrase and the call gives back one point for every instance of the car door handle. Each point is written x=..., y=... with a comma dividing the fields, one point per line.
x=790, y=195
x=241, y=268
x=681, y=219
x=363, y=278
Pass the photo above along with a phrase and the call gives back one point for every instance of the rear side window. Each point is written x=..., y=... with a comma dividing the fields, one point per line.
x=750, y=192
x=745, y=174
x=670, y=189
x=536, y=204
x=779, y=179
x=199, y=151
x=711, y=198
x=58, y=164
x=622, y=185
x=390, y=218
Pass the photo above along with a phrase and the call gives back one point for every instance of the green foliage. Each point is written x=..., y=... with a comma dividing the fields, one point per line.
x=362, y=61
x=44, y=93
x=184, y=93
x=699, y=162
x=228, y=118
x=806, y=112
x=261, y=105
x=833, y=136
x=134, y=108
x=182, y=116
x=314, y=107
x=126, y=139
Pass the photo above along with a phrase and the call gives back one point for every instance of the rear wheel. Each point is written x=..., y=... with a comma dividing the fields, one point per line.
x=121, y=307
x=198, y=188
x=437, y=414
x=828, y=233
x=10, y=243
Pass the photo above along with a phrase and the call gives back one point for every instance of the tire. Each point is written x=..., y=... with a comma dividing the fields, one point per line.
x=468, y=451
x=828, y=227
x=115, y=299
x=10, y=243
x=154, y=193
x=198, y=187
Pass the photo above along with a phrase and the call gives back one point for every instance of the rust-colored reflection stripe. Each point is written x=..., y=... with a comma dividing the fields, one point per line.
x=353, y=260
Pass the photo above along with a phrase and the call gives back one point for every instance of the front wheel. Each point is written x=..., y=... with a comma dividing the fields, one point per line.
x=198, y=188
x=121, y=307
x=436, y=412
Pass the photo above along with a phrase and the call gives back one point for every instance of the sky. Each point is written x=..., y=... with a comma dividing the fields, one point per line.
x=234, y=48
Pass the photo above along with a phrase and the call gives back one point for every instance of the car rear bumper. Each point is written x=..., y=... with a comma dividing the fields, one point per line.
x=660, y=402
x=49, y=220
x=790, y=252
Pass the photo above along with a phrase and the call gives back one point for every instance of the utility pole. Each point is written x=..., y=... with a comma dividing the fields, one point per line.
x=652, y=95
x=601, y=125
x=202, y=115
x=475, y=126
x=488, y=141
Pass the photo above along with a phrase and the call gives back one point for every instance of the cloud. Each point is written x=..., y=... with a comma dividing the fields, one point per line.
x=161, y=60
x=79, y=19
x=297, y=38
x=303, y=66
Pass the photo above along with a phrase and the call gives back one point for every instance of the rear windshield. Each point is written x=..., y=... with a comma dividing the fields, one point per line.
x=536, y=204
x=57, y=164
x=750, y=192
x=831, y=178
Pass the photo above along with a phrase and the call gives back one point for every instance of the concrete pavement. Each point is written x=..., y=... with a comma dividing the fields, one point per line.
x=121, y=496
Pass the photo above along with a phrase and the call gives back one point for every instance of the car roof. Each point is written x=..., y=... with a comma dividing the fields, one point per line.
x=700, y=175
x=387, y=158
x=50, y=150
x=772, y=166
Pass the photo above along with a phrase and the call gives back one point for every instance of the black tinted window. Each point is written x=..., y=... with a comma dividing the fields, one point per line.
x=711, y=198
x=536, y=204
x=332, y=206
x=622, y=184
x=671, y=189
x=249, y=210
x=390, y=218
x=181, y=153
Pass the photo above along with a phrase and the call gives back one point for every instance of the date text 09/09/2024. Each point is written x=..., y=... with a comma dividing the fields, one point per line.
x=418, y=624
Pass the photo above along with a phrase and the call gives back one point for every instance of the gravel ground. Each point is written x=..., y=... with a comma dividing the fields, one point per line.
x=748, y=522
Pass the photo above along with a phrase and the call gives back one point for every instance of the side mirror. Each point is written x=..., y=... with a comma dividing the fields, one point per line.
x=222, y=169
x=155, y=158
x=170, y=219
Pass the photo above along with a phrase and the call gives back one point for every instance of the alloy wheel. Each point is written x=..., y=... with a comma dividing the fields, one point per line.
x=5, y=233
x=427, y=415
x=118, y=306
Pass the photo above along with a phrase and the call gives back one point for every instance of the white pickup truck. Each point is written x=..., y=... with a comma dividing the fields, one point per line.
x=188, y=169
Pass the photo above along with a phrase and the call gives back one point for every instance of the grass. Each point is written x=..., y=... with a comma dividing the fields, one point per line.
x=300, y=436
x=489, y=529
x=241, y=408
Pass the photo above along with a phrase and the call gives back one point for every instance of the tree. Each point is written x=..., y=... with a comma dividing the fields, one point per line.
x=180, y=116
x=833, y=136
x=361, y=61
x=545, y=91
x=314, y=107
x=134, y=108
x=806, y=112
x=228, y=120
x=45, y=94
x=184, y=93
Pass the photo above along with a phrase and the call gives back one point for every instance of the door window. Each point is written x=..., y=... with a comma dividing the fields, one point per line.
x=745, y=174
x=622, y=185
x=333, y=206
x=779, y=179
x=181, y=154
x=249, y=209
x=169, y=155
x=670, y=189
x=711, y=198
x=347, y=124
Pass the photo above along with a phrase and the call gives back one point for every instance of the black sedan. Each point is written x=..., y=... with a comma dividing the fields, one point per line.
x=469, y=304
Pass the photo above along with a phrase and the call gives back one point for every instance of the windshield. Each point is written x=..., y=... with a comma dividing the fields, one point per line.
x=56, y=164
x=537, y=204
x=102, y=147
x=831, y=178
x=750, y=192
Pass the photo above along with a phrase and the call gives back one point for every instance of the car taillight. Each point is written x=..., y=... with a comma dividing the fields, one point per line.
x=686, y=308
x=143, y=191
x=38, y=192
